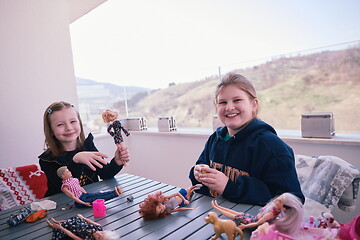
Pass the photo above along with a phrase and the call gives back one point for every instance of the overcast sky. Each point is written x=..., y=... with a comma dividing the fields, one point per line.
x=151, y=43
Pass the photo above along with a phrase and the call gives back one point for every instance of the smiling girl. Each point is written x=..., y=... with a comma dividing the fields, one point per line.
x=67, y=146
x=244, y=161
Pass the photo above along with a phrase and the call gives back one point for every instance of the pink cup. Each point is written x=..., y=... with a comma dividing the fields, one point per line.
x=99, y=208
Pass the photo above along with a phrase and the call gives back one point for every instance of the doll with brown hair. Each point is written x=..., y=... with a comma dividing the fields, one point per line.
x=284, y=211
x=111, y=117
x=157, y=205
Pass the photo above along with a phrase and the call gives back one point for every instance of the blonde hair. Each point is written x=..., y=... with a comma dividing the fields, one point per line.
x=109, y=115
x=52, y=143
x=110, y=235
x=242, y=83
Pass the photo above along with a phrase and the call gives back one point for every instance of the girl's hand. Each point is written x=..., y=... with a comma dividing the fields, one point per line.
x=186, y=202
x=198, y=169
x=213, y=179
x=91, y=159
x=122, y=155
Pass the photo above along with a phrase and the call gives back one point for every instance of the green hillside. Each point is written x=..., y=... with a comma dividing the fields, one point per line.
x=287, y=87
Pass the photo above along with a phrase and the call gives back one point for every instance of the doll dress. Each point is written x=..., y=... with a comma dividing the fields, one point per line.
x=77, y=226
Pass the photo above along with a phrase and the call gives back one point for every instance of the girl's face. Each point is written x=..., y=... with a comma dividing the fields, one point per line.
x=66, y=127
x=235, y=108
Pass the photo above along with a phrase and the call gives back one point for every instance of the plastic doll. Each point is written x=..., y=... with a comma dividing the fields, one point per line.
x=79, y=227
x=71, y=187
x=158, y=206
x=285, y=212
x=111, y=116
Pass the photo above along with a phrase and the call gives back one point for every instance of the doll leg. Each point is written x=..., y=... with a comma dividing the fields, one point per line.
x=225, y=211
x=90, y=197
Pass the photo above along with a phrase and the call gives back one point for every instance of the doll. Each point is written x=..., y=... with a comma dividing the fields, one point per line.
x=79, y=227
x=285, y=212
x=158, y=206
x=111, y=116
x=71, y=187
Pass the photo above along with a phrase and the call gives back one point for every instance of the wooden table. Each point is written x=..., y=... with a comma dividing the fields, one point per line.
x=123, y=217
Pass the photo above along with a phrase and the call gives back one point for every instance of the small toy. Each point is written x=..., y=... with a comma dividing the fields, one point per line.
x=71, y=187
x=158, y=206
x=285, y=212
x=79, y=227
x=130, y=198
x=310, y=224
x=18, y=218
x=328, y=221
x=223, y=226
x=111, y=116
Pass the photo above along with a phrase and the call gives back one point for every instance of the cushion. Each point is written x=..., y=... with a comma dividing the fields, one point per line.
x=21, y=185
x=327, y=181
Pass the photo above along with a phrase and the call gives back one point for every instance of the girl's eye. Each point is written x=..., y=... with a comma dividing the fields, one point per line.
x=237, y=100
x=73, y=121
x=60, y=124
x=222, y=103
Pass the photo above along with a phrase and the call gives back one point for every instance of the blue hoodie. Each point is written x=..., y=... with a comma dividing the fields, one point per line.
x=260, y=166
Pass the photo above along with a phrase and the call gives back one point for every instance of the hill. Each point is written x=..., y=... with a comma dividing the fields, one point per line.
x=287, y=87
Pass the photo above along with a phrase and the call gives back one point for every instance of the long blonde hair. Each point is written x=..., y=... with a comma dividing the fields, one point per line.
x=53, y=145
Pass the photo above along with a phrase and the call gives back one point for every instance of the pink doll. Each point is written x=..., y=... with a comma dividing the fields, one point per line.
x=158, y=206
x=71, y=187
x=285, y=212
x=111, y=116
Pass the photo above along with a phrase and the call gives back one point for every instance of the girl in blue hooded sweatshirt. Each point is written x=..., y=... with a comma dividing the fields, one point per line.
x=244, y=161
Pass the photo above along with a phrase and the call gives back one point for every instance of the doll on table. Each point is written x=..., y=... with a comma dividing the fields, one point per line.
x=158, y=206
x=111, y=116
x=79, y=227
x=285, y=212
x=71, y=187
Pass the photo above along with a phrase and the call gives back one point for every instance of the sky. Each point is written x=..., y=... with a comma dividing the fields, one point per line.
x=153, y=43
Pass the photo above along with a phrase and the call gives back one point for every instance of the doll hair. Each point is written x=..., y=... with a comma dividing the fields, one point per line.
x=109, y=115
x=289, y=221
x=148, y=207
x=242, y=83
x=110, y=235
x=61, y=171
x=52, y=143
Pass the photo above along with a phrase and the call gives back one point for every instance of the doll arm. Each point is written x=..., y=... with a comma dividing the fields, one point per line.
x=71, y=195
x=178, y=195
x=88, y=220
x=180, y=209
x=263, y=219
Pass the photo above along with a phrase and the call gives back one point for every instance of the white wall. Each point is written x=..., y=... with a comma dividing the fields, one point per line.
x=36, y=69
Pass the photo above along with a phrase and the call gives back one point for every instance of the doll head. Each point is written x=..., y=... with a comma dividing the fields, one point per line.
x=289, y=221
x=52, y=143
x=149, y=209
x=109, y=115
x=63, y=172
